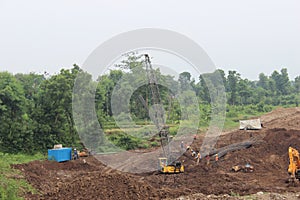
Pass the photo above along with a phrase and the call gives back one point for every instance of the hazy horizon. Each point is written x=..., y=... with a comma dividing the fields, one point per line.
x=250, y=37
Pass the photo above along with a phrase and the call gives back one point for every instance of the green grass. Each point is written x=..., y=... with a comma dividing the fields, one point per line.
x=141, y=134
x=12, y=184
x=137, y=140
x=243, y=113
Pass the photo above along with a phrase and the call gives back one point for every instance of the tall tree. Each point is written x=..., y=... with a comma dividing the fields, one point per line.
x=244, y=91
x=204, y=91
x=282, y=82
x=263, y=81
x=185, y=80
x=15, y=129
x=233, y=79
x=53, y=113
x=297, y=84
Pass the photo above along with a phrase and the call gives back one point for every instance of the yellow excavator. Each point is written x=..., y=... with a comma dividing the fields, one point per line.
x=165, y=168
x=294, y=165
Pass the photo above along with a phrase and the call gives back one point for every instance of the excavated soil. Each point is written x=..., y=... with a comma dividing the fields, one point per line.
x=93, y=180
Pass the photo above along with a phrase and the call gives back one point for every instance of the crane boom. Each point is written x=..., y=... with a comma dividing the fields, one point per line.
x=158, y=110
x=155, y=95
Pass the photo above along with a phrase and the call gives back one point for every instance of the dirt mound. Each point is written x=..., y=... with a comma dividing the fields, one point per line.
x=288, y=118
x=76, y=180
x=93, y=180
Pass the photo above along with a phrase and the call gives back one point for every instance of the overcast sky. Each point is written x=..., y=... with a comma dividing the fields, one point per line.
x=249, y=36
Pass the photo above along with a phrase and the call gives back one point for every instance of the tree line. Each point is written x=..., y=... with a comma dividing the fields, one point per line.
x=36, y=109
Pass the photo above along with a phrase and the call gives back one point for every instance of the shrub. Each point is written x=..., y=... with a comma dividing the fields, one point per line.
x=232, y=114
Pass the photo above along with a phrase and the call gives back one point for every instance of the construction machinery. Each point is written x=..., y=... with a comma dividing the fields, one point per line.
x=83, y=153
x=166, y=168
x=294, y=165
x=159, y=121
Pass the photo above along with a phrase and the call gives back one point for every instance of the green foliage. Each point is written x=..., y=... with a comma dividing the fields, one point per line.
x=10, y=187
x=124, y=141
x=233, y=79
x=53, y=120
x=232, y=114
x=173, y=130
x=205, y=114
x=36, y=109
x=154, y=144
x=236, y=113
x=15, y=130
x=139, y=137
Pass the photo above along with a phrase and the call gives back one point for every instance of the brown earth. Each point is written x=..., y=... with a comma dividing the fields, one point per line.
x=93, y=180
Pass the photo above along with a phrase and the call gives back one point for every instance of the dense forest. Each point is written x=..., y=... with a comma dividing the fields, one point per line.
x=36, y=109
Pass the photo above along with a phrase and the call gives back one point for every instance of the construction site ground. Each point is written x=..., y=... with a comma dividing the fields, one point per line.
x=269, y=157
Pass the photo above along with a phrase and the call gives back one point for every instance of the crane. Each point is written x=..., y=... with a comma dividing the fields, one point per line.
x=158, y=110
x=159, y=121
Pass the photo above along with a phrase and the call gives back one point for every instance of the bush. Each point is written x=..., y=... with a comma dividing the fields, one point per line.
x=251, y=109
x=232, y=114
x=173, y=130
x=154, y=144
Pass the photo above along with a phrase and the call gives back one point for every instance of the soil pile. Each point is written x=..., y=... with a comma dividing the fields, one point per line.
x=93, y=180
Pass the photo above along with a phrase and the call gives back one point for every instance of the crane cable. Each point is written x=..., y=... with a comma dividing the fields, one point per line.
x=156, y=98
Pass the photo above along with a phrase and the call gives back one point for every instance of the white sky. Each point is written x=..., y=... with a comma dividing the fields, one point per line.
x=250, y=36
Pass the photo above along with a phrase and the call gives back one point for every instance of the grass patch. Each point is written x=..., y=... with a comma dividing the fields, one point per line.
x=236, y=113
x=12, y=185
x=141, y=136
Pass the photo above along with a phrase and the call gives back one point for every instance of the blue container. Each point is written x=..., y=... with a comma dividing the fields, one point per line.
x=60, y=155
